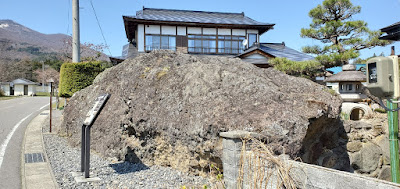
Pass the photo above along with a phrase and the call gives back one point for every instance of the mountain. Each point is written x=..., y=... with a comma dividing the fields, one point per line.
x=18, y=42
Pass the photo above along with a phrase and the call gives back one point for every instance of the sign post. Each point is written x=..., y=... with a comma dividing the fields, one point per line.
x=51, y=81
x=87, y=124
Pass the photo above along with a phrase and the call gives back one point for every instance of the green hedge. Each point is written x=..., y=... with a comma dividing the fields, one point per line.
x=76, y=76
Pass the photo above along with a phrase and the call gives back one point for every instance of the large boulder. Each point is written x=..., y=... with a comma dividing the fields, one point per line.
x=168, y=108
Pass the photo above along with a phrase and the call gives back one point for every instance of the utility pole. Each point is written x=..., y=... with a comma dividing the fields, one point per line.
x=76, y=55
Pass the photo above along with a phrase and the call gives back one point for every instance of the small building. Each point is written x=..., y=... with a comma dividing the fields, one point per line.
x=348, y=84
x=259, y=54
x=19, y=87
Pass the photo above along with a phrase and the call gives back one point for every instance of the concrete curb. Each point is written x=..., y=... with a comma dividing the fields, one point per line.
x=34, y=172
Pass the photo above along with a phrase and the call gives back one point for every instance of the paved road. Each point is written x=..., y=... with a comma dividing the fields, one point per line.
x=15, y=115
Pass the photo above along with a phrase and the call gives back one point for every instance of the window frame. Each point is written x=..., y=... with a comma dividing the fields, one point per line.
x=248, y=39
x=216, y=39
x=173, y=48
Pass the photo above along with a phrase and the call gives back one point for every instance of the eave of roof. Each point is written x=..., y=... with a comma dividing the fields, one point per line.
x=390, y=27
x=24, y=82
x=392, y=36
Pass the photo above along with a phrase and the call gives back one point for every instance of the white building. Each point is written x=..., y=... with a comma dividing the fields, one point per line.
x=19, y=87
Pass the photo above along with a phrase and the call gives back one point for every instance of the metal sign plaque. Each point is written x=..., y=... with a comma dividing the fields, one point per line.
x=98, y=105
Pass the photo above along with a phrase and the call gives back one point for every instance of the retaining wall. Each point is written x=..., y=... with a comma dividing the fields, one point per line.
x=304, y=175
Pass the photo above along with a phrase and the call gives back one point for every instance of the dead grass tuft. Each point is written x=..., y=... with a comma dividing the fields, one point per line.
x=261, y=168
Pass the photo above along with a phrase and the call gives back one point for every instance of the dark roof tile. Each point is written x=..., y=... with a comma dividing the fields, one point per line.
x=279, y=50
x=195, y=17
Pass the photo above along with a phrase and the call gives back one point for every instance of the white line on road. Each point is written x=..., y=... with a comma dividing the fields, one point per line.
x=5, y=143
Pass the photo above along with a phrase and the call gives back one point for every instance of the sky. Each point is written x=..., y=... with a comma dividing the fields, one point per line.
x=54, y=16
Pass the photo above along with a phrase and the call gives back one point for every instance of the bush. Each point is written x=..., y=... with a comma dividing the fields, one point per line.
x=307, y=69
x=76, y=76
x=2, y=93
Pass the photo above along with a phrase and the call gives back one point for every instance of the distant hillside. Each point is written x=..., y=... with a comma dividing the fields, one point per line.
x=18, y=42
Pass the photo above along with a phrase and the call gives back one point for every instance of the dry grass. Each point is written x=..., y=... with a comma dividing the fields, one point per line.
x=8, y=97
x=260, y=168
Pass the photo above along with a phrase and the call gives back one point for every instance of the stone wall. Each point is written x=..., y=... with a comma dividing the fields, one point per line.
x=368, y=146
x=300, y=175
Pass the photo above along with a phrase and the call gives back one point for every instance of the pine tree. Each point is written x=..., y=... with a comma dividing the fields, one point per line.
x=343, y=37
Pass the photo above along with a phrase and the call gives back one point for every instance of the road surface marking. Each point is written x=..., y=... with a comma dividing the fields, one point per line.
x=8, y=138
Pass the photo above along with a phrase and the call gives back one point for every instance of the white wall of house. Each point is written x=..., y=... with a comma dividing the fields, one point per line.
x=181, y=30
x=168, y=30
x=152, y=29
x=252, y=31
x=6, y=89
x=194, y=30
x=223, y=31
x=140, y=38
x=19, y=90
x=240, y=32
x=31, y=90
x=210, y=31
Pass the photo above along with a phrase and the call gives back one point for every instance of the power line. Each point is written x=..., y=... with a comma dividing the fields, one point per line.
x=68, y=18
x=101, y=30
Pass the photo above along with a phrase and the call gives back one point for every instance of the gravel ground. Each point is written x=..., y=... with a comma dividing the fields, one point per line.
x=65, y=159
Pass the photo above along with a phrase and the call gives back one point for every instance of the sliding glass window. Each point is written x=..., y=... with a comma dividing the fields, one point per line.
x=252, y=39
x=202, y=44
x=207, y=44
x=230, y=44
x=154, y=42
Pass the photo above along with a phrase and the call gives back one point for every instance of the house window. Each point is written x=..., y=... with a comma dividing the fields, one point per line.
x=202, y=43
x=252, y=39
x=208, y=44
x=357, y=87
x=154, y=42
x=230, y=44
x=349, y=87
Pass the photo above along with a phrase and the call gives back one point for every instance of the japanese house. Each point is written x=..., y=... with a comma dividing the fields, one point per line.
x=196, y=32
x=202, y=33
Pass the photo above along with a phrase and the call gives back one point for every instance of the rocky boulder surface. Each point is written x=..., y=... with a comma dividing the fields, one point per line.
x=168, y=108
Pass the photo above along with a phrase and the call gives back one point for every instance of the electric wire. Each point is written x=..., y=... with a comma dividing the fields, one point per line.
x=378, y=100
x=68, y=18
x=101, y=30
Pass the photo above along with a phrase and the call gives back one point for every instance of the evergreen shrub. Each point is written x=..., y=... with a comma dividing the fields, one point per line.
x=76, y=76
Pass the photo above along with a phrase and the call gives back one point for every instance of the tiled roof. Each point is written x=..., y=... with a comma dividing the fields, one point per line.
x=397, y=24
x=392, y=32
x=22, y=81
x=195, y=17
x=279, y=50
